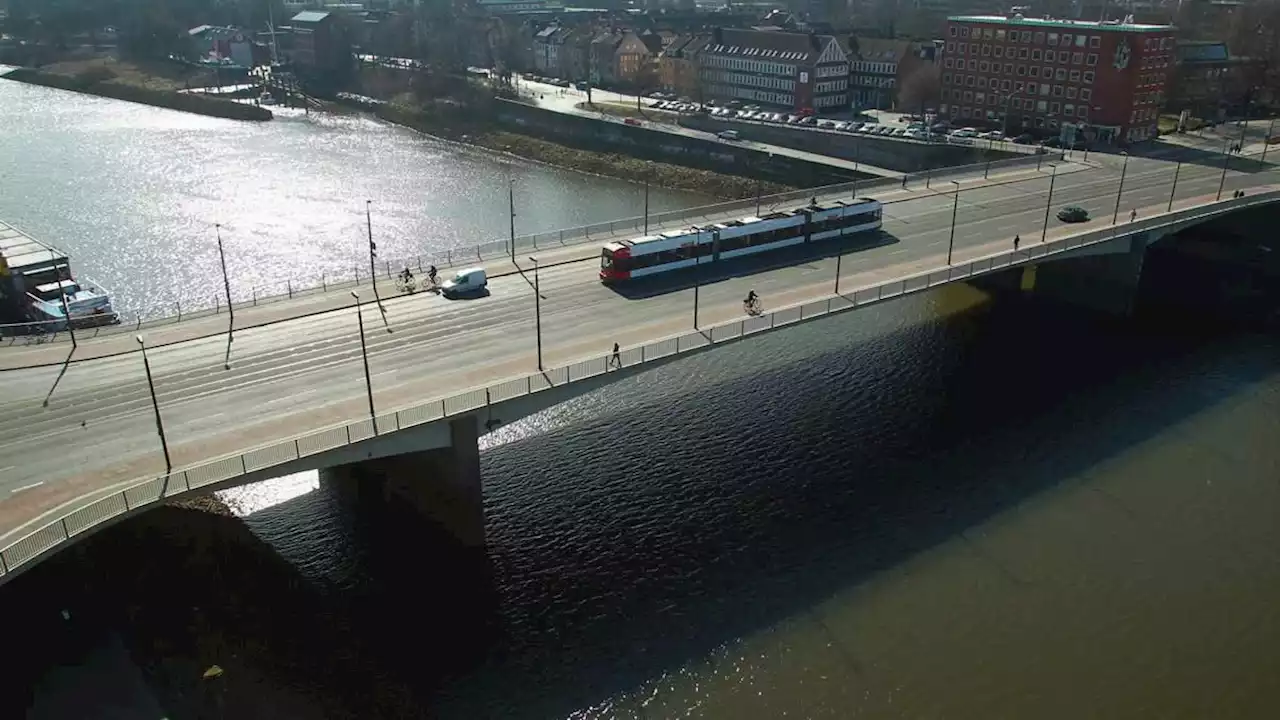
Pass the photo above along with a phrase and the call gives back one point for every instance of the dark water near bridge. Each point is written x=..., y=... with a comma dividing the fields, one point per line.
x=941, y=506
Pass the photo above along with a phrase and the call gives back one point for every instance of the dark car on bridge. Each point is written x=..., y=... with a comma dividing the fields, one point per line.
x=1073, y=214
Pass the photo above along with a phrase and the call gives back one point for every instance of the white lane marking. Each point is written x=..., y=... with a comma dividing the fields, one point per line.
x=17, y=490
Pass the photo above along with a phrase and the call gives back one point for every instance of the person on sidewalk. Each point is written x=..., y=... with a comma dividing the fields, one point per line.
x=1017, y=239
x=1133, y=215
x=615, y=360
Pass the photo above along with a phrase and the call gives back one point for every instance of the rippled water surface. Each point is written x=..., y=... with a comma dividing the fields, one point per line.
x=133, y=194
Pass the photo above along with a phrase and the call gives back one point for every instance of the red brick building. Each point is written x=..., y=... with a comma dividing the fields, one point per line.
x=1103, y=80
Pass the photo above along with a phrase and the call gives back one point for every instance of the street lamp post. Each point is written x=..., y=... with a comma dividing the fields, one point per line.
x=1226, y=158
x=1049, y=203
x=1123, y=169
x=226, y=285
x=511, y=205
x=955, y=206
x=155, y=405
x=1266, y=141
x=537, y=307
x=646, y=204
x=1176, y=169
x=364, y=355
x=66, y=310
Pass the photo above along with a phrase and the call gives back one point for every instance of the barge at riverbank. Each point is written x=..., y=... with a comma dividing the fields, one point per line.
x=38, y=293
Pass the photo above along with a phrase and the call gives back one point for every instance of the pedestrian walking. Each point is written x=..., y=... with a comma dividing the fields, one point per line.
x=1016, y=240
x=615, y=360
x=1133, y=215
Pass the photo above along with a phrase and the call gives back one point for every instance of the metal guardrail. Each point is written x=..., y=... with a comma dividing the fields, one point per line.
x=149, y=491
x=460, y=257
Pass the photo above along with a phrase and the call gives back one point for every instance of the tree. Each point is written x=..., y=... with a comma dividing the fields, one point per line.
x=921, y=88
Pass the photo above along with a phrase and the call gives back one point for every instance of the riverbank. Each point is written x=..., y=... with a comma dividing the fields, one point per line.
x=121, y=81
x=455, y=124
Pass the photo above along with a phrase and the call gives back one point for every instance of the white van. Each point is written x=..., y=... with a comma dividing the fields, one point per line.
x=727, y=134
x=469, y=282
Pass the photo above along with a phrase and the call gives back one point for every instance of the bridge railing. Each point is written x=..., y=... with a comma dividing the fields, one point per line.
x=602, y=232
x=45, y=534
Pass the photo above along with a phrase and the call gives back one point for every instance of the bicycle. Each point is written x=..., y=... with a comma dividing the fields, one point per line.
x=752, y=306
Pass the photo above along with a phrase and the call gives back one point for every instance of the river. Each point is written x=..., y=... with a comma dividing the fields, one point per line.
x=944, y=506
x=133, y=194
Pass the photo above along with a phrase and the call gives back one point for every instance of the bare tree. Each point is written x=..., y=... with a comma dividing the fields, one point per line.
x=921, y=87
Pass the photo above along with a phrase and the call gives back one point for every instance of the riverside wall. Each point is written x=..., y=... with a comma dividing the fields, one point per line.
x=899, y=155
x=597, y=135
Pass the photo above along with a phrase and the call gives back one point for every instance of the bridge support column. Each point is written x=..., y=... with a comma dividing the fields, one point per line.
x=441, y=485
x=1103, y=282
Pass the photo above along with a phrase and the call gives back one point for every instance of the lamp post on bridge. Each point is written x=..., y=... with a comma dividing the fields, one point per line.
x=226, y=285
x=62, y=293
x=155, y=405
x=955, y=206
x=1226, y=159
x=1176, y=169
x=511, y=211
x=1123, y=169
x=364, y=355
x=1049, y=203
x=537, y=307
x=646, y=209
x=1266, y=141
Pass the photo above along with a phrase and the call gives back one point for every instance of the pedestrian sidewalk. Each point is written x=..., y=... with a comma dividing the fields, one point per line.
x=35, y=351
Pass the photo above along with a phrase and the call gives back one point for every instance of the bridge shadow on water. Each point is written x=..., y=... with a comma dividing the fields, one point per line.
x=739, y=267
x=641, y=541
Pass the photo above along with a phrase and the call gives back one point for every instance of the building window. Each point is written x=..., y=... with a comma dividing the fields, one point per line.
x=1023, y=53
x=1000, y=35
x=1035, y=55
x=1057, y=91
x=969, y=81
x=1066, y=40
x=982, y=81
x=1039, y=38
x=1088, y=76
x=1071, y=93
x=1077, y=58
x=1017, y=86
x=984, y=66
x=979, y=98
x=946, y=78
x=951, y=45
x=946, y=62
x=1060, y=75
x=1022, y=70
x=1075, y=76
x=1091, y=59
x=1053, y=38
x=1008, y=68
x=1080, y=40
x=1053, y=124
x=1046, y=73
x=1069, y=110
x=1095, y=41
x=987, y=33
x=962, y=47
x=973, y=64
x=1004, y=85
x=1042, y=106
x=1085, y=93
x=964, y=32
x=968, y=96
x=986, y=50
x=1044, y=89
x=999, y=51
x=953, y=31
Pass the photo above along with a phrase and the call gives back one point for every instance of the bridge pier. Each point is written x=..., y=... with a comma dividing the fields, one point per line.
x=1103, y=281
x=442, y=485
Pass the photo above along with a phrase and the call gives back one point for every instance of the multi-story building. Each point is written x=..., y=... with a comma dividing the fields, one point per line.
x=795, y=71
x=678, y=65
x=1105, y=79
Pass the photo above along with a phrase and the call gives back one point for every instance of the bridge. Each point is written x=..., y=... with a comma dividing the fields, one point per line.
x=392, y=395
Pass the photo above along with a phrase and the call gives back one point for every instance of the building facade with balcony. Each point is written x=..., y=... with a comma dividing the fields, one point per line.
x=1105, y=81
x=774, y=68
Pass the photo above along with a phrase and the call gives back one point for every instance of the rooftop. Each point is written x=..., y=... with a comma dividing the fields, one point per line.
x=21, y=251
x=1052, y=22
x=310, y=16
x=768, y=44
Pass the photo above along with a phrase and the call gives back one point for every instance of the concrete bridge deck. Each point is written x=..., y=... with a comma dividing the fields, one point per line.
x=296, y=391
